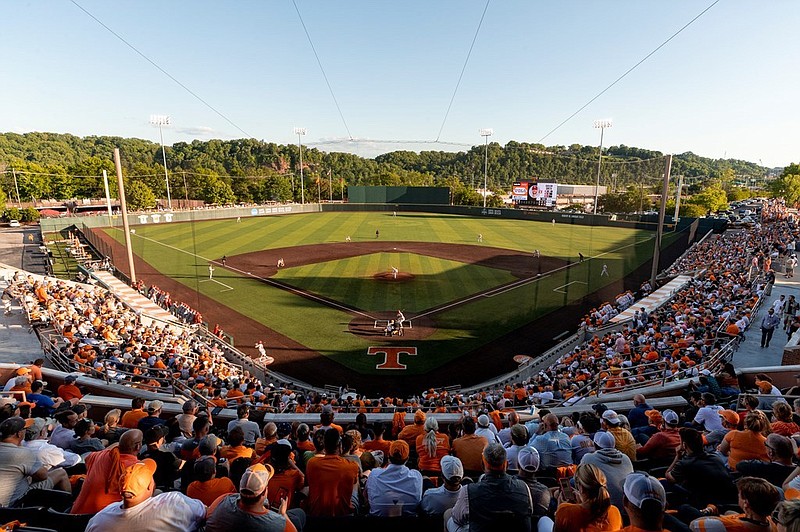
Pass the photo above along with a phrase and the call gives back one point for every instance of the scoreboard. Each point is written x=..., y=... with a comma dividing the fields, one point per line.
x=535, y=193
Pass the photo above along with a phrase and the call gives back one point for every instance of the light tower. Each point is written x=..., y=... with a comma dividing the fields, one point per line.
x=163, y=120
x=602, y=125
x=299, y=131
x=486, y=133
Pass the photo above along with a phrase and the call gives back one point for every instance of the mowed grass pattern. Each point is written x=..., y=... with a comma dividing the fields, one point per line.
x=181, y=251
x=351, y=281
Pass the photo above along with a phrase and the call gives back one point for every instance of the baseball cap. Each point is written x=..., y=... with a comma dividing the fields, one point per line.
x=655, y=417
x=483, y=421
x=528, y=459
x=155, y=405
x=611, y=417
x=205, y=466
x=23, y=370
x=730, y=416
x=670, y=417
x=399, y=450
x=70, y=379
x=209, y=444
x=452, y=467
x=641, y=487
x=255, y=479
x=327, y=409
x=599, y=408
x=34, y=426
x=705, y=371
x=604, y=440
x=419, y=417
x=137, y=478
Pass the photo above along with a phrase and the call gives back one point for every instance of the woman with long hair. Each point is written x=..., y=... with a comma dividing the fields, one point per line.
x=747, y=444
x=432, y=446
x=590, y=509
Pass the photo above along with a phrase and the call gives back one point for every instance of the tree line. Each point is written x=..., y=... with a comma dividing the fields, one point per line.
x=63, y=166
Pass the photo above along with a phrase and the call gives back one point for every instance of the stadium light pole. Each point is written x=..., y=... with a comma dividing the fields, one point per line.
x=601, y=125
x=163, y=120
x=299, y=131
x=486, y=133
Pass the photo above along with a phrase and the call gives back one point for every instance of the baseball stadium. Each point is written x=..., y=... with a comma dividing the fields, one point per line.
x=475, y=292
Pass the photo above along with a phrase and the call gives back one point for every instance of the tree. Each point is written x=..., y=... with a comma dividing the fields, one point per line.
x=738, y=193
x=217, y=191
x=29, y=214
x=691, y=210
x=139, y=196
x=787, y=187
x=712, y=199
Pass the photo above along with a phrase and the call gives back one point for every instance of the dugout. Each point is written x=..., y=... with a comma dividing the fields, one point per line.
x=399, y=195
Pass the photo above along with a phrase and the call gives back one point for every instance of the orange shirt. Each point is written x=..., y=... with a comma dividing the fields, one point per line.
x=426, y=461
x=36, y=372
x=285, y=484
x=207, y=492
x=376, y=445
x=576, y=517
x=331, y=479
x=745, y=445
x=733, y=523
x=469, y=449
x=100, y=467
x=410, y=433
x=69, y=391
x=130, y=419
x=231, y=453
x=235, y=394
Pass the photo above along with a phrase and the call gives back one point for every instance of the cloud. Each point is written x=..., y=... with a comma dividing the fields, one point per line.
x=199, y=131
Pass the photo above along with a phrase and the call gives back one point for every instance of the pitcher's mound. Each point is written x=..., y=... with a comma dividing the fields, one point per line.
x=390, y=277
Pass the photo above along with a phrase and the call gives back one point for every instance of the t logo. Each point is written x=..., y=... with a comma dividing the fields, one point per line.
x=391, y=356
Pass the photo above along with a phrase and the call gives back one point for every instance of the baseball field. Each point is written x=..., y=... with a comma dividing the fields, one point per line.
x=473, y=290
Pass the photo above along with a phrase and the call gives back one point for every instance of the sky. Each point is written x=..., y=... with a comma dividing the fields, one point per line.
x=724, y=87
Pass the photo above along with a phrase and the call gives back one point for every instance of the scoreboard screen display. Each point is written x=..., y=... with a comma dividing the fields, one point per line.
x=534, y=193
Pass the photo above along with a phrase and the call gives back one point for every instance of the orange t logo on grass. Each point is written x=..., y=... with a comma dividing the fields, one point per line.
x=391, y=356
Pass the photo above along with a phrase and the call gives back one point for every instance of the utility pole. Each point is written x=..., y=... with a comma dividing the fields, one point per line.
x=16, y=188
x=661, y=212
x=678, y=199
x=124, y=206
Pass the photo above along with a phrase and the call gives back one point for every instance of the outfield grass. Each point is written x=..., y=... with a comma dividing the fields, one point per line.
x=436, y=281
x=182, y=251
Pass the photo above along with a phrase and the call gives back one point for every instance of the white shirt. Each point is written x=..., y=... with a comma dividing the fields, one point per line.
x=169, y=511
x=51, y=456
x=709, y=417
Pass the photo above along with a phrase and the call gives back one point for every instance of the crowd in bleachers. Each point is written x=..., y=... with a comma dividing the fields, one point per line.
x=163, y=299
x=675, y=341
x=595, y=471
x=712, y=467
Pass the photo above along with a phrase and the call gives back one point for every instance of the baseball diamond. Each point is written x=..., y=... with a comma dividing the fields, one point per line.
x=474, y=306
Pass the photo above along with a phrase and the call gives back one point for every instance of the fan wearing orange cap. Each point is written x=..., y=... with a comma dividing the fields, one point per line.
x=246, y=511
x=410, y=432
x=141, y=511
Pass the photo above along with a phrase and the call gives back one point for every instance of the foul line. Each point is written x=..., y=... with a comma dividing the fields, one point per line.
x=558, y=289
x=523, y=282
x=263, y=279
x=218, y=282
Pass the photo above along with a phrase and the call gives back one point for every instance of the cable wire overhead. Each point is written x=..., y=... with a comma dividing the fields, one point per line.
x=631, y=69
